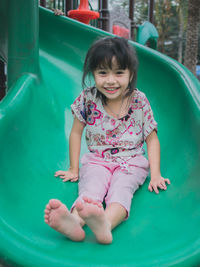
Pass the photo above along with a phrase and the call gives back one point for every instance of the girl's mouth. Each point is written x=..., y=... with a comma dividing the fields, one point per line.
x=111, y=90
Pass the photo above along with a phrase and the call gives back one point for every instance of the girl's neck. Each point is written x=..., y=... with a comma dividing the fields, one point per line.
x=118, y=108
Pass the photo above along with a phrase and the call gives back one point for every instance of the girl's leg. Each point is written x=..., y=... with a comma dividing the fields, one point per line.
x=115, y=214
x=120, y=193
x=93, y=186
x=62, y=220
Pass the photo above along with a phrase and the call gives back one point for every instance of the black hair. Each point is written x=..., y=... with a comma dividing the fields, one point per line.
x=100, y=55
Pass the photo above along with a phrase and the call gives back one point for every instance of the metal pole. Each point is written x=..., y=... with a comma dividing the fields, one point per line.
x=43, y=3
x=100, y=4
x=68, y=6
x=150, y=10
x=99, y=21
x=131, y=9
x=104, y=15
x=131, y=17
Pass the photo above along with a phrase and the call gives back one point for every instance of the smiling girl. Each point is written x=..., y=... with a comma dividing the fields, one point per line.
x=118, y=120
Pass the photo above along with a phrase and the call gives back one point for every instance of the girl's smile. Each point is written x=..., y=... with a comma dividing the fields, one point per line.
x=111, y=90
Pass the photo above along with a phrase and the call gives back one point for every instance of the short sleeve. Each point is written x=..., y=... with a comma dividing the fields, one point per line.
x=78, y=108
x=149, y=123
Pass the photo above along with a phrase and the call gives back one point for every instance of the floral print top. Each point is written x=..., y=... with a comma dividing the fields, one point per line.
x=111, y=138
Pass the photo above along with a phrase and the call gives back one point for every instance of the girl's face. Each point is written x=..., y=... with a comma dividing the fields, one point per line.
x=112, y=83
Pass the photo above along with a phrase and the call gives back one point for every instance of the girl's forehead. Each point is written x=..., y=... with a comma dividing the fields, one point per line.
x=113, y=64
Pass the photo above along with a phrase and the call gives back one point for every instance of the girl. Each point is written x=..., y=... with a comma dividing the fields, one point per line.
x=118, y=119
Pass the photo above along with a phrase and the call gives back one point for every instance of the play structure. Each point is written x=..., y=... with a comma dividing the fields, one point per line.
x=115, y=21
x=147, y=34
x=44, y=68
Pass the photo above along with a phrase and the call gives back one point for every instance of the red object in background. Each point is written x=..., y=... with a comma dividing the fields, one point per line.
x=121, y=31
x=83, y=13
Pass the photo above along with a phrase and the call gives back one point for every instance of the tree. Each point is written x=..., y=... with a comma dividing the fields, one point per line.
x=163, y=16
x=190, y=59
x=181, y=9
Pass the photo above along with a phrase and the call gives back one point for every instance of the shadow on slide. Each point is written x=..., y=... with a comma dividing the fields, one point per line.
x=35, y=120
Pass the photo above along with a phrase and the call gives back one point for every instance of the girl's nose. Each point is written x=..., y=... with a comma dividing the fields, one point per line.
x=110, y=79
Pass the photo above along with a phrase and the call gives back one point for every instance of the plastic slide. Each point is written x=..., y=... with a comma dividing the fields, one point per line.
x=35, y=121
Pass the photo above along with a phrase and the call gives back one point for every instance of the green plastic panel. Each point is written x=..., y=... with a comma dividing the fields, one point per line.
x=147, y=32
x=35, y=121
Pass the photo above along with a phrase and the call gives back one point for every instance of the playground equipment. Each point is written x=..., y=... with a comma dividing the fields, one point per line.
x=83, y=13
x=147, y=33
x=44, y=77
x=118, y=22
x=121, y=31
x=120, y=25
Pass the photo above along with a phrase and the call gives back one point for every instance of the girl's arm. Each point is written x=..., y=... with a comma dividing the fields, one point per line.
x=74, y=152
x=153, y=148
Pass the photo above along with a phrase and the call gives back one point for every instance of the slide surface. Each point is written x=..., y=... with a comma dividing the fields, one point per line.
x=35, y=121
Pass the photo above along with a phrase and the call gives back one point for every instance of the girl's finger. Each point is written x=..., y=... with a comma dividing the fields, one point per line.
x=167, y=180
x=59, y=173
x=150, y=188
x=163, y=186
x=63, y=176
x=156, y=189
x=74, y=179
x=73, y=176
x=66, y=179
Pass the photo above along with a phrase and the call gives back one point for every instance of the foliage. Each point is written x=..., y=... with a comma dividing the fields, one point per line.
x=193, y=23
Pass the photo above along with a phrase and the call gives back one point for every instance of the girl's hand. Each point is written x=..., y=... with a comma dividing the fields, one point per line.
x=58, y=12
x=67, y=175
x=158, y=183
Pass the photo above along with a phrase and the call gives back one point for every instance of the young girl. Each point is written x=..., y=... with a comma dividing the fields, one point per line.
x=118, y=119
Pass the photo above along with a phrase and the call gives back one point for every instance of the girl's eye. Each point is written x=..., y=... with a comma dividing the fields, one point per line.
x=120, y=72
x=102, y=72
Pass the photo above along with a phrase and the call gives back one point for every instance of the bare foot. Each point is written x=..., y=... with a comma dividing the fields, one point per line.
x=59, y=218
x=94, y=216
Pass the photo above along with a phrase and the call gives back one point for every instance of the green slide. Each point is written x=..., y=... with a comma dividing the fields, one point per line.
x=44, y=77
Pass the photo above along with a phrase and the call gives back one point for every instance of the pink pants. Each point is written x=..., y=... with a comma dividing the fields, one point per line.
x=101, y=179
